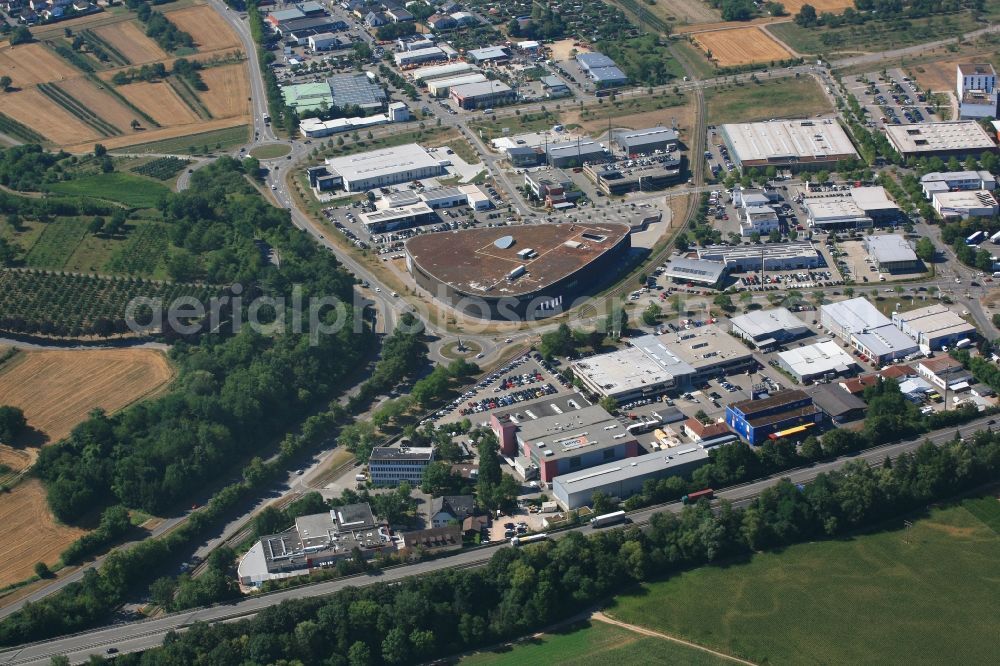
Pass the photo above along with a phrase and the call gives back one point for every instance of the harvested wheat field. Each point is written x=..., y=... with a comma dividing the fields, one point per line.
x=57, y=389
x=793, y=7
x=131, y=42
x=209, y=30
x=41, y=114
x=227, y=90
x=16, y=459
x=101, y=103
x=159, y=101
x=28, y=64
x=29, y=533
x=148, y=136
x=740, y=46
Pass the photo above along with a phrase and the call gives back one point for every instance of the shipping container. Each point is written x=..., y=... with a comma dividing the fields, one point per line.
x=692, y=498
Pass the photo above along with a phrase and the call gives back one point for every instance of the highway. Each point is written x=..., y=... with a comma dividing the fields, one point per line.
x=142, y=635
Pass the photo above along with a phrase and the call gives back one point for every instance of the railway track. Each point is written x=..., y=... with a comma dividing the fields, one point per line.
x=245, y=530
x=697, y=165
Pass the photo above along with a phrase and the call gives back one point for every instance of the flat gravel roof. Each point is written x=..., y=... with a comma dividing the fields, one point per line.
x=469, y=261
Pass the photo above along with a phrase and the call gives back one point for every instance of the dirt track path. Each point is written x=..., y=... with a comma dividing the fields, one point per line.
x=601, y=617
x=728, y=25
x=769, y=33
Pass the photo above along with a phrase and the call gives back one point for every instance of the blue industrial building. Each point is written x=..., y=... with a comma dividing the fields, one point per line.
x=784, y=414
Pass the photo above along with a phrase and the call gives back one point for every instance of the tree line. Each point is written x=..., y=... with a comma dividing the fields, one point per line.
x=868, y=10
x=522, y=590
x=159, y=27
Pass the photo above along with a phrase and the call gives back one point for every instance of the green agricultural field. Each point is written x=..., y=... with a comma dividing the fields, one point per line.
x=194, y=144
x=26, y=235
x=125, y=188
x=596, y=644
x=57, y=242
x=924, y=594
x=884, y=35
x=129, y=256
x=143, y=252
x=161, y=168
x=782, y=98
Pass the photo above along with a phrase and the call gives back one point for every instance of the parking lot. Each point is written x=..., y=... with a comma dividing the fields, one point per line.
x=717, y=155
x=523, y=379
x=801, y=279
x=853, y=253
x=891, y=100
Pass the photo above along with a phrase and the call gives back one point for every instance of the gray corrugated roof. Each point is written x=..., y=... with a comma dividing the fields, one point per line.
x=834, y=400
x=594, y=59
x=695, y=269
x=608, y=74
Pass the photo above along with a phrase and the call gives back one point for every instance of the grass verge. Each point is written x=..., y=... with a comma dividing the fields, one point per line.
x=270, y=151
x=194, y=144
x=593, y=643
x=780, y=98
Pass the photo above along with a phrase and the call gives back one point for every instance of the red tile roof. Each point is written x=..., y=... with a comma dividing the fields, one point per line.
x=706, y=431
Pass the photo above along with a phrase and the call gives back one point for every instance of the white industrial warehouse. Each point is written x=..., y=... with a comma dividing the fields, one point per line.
x=788, y=143
x=934, y=326
x=954, y=137
x=822, y=359
x=625, y=478
x=967, y=203
x=892, y=253
x=854, y=315
x=378, y=168
x=858, y=207
x=767, y=328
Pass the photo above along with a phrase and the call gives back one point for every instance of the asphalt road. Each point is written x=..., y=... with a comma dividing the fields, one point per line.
x=137, y=636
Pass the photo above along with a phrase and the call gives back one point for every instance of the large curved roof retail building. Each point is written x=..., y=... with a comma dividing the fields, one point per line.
x=517, y=273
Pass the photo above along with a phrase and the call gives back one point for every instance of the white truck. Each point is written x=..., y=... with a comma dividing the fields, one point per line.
x=522, y=540
x=612, y=518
